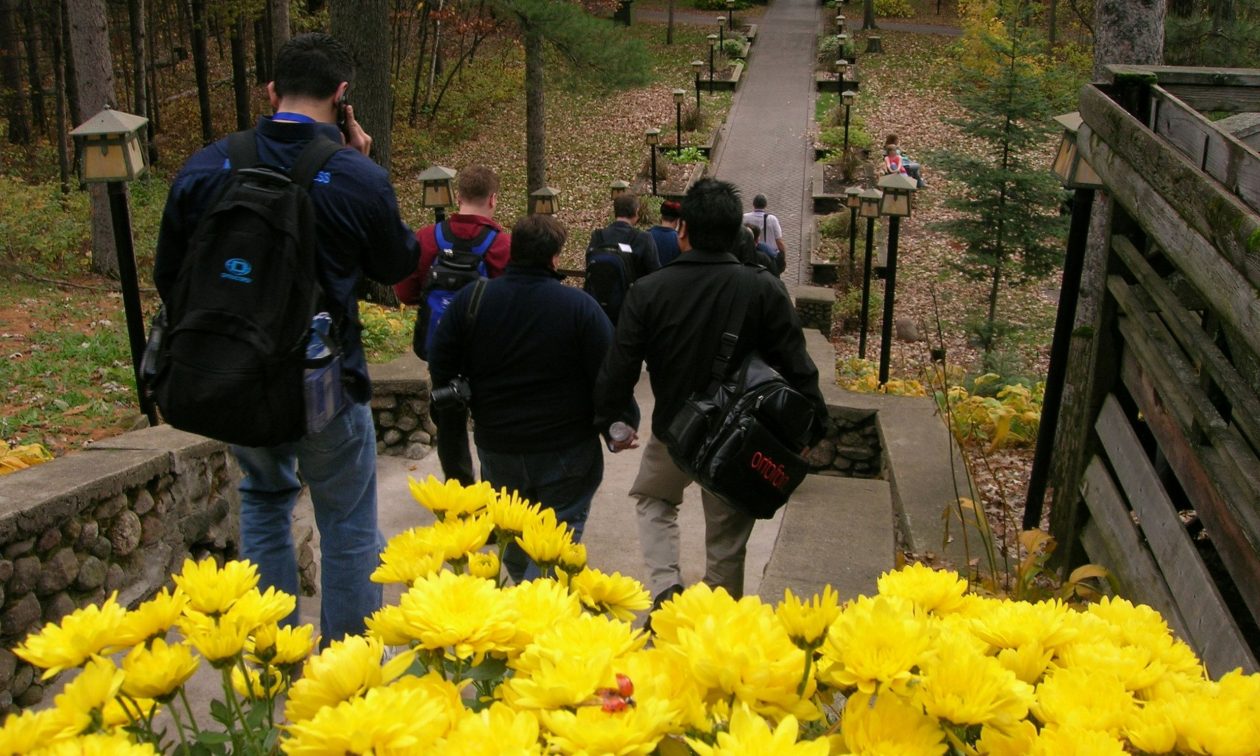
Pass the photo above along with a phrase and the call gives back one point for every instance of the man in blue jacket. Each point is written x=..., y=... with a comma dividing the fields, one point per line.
x=530, y=348
x=359, y=233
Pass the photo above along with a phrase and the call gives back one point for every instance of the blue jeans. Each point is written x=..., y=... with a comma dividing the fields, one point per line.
x=564, y=480
x=339, y=464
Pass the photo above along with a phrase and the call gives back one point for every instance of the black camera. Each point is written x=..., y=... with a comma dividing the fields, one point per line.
x=457, y=393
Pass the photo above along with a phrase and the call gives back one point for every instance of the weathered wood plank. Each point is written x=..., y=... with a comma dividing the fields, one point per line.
x=1182, y=325
x=1208, y=98
x=1218, y=153
x=1207, y=77
x=1176, y=380
x=1195, y=468
x=1213, y=631
x=1176, y=203
x=1123, y=551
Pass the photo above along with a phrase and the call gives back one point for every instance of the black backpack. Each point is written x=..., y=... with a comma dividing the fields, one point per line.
x=459, y=262
x=610, y=270
x=231, y=361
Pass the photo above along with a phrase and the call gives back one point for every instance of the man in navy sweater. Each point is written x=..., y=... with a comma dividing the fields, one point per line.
x=530, y=352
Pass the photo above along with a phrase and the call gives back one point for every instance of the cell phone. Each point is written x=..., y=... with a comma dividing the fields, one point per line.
x=342, y=101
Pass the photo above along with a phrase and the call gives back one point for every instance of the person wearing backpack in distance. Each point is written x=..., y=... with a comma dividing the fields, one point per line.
x=771, y=231
x=665, y=233
x=355, y=230
x=472, y=236
x=529, y=348
x=618, y=255
x=674, y=321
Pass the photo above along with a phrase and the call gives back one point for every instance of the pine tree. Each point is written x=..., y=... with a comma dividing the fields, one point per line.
x=1008, y=213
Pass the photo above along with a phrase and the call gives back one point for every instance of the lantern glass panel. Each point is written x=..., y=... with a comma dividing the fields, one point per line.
x=870, y=201
x=1085, y=176
x=436, y=194
x=105, y=160
x=895, y=203
x=1065, y=157
x=853, y=197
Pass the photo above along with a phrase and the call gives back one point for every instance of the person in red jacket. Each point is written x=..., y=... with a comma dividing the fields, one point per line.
x=477, y=194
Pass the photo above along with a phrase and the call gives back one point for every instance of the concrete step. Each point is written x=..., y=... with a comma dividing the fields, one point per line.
x=835, y=531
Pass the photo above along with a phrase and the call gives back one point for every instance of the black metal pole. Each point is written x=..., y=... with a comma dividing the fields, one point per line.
x=653, y=170
x=121, y=220
x=866, y=287
x=721, y=35
x=710, y=68
x=890, y=286
x=1069, y=292
x=730, y=16
x=852, y=243
x=846, y=121
x=678, y=126
x=697, y=94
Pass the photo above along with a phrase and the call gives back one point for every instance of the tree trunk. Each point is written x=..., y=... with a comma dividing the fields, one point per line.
x=1128, y=31
x=363, y=26
x=59, y=95
x=535, y=113
x=202, y=68
x=868, y=15
x=262, y=53
x=240, y=73
x=669, y=24
x=280, y=24
x=140, y=58
x=11, y=71
x=89, y=45
x=72, y=79
x=315, y=6
x=415, y=82
x=34, y=32
x=1052, y=27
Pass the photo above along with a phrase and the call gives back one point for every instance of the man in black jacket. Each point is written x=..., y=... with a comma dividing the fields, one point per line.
x=530, y=353
x=674, y=320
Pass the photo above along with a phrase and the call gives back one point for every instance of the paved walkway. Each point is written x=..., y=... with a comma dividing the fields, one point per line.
x=766, y=148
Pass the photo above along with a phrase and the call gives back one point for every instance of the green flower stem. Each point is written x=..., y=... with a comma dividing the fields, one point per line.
x=179, y=725
x=809, y=661
x=183, y=696
x=234, y=704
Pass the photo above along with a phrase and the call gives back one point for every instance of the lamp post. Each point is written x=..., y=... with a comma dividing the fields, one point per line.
x=897, y=188
x=721, y=21
x=653, y=138
x=618, y=188
x=438, y=190
x=544, y=201
x=730, y=11
x=852, y=200
x=697, y=66
x=712, y=46
x=113, y=153
x=846, y=97
x=843, y=39
x=841, y=67
x=678, y=98
x=1076, y=174
x=868, y=208
x=840, y=23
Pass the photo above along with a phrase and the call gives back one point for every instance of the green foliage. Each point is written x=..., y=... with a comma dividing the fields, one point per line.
x=848, y=306
x=386, y=331
x=1007, y=216
x=686, y=155
x=733, y=47
x=49, y=245
x=1212, y=33
x=893, y=9
x=835, y=226
x=833, y=136
x=595, y=48
x=830, y=50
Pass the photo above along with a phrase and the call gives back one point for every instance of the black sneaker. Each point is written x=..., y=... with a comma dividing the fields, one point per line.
x=661, y=598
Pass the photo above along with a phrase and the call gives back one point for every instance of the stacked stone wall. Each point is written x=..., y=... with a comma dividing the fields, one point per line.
x=851, y=447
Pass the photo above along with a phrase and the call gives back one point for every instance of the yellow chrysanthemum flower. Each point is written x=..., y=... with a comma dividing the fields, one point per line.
x=150, y=620
x=1220, y=718
x=1018, y=624
x=256, y=608
x=590, y=730
x=261, y=685
x=281, y=646
x=211, y=590
x=573, y=558
x=736, y=648
x=157, y=671
x=436, y=688
x=510, y=513
x=1079, y=697
x=451, y=499
x=496, y=731
x=390, y=626
x=1015, y=740
x=539, y=604
x=468, y=616
x=750, y=735
x=938, y=591
x=407, y=557
x=1133, y=664
x=24, y=731
x=655, y=674
x=218, y=639
x=1152, y=728
x=1076, y=741
x=383, y=721
x=887, y=724
x=484, y=565
x=79, y=636
x=617, y=594
x=96, y=744
x=964, y=687
x=1028, y=662
x=544, y=540
x=346, y=669
x=455, y=539
x=875, y=643
x=807, y=622
x=569, y=661
x=89, y=693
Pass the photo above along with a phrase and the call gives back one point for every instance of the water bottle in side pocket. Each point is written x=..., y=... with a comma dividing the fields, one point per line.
x=322, y=382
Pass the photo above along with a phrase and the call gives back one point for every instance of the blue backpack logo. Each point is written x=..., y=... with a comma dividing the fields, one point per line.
x=237, y=269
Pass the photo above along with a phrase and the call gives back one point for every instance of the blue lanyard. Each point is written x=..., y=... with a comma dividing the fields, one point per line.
x=298, y=117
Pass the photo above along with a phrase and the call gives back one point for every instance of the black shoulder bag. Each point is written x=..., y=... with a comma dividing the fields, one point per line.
x=741, y=436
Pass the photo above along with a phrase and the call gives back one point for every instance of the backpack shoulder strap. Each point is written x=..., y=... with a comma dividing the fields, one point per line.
x=311, y=160
x=446, y=238
x=734, y=324
x=242, y=150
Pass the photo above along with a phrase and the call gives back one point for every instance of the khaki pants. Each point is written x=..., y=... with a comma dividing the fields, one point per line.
x=659, y=490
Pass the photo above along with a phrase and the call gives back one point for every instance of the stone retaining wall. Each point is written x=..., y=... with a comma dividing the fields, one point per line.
x=120, y=517
x=851, y=447
x=400, y=408
x=814, y=305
